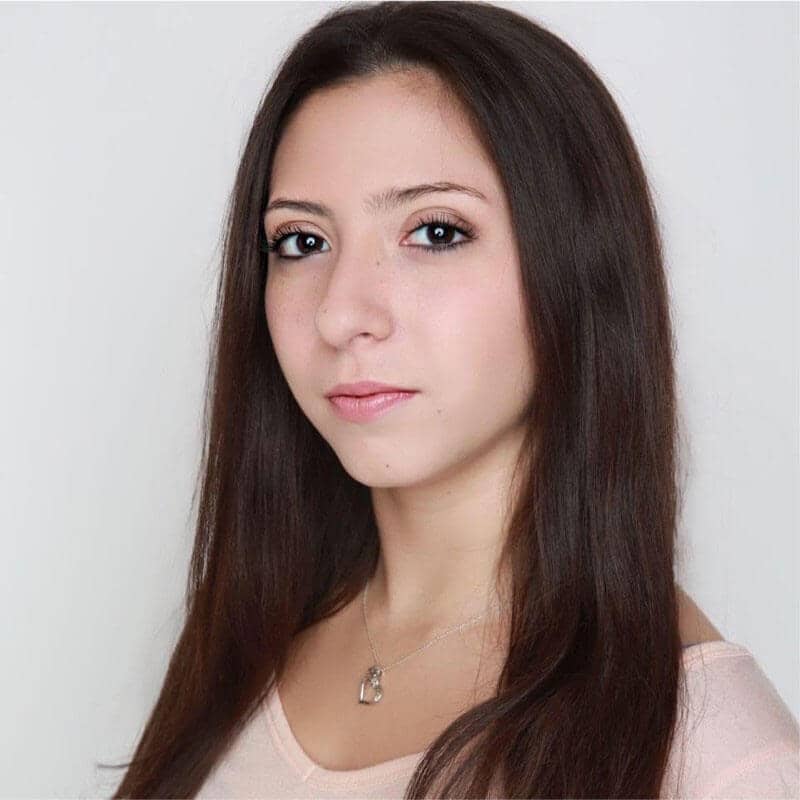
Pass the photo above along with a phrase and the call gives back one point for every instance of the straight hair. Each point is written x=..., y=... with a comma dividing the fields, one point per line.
x=587, y=701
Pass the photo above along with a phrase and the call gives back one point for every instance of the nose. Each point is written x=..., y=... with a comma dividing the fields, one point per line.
x=355, y=300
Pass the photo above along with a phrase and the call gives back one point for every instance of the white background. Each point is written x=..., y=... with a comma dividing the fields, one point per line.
x=120, y=131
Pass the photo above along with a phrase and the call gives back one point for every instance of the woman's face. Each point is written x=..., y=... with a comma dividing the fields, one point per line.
x=356, y=296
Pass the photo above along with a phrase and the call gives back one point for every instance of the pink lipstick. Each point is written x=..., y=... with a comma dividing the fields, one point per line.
x=368, y=406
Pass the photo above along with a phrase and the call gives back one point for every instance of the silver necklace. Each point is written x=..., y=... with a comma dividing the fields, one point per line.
x=372, y=677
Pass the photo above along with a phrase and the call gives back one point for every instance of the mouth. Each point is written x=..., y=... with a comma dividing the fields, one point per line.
x=364, y=388
x=363, y=408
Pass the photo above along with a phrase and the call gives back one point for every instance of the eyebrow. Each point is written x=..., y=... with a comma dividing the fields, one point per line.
x=381, y=201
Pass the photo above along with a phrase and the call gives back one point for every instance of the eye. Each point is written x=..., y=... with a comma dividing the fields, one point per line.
x=441, y=231
x=307, y=241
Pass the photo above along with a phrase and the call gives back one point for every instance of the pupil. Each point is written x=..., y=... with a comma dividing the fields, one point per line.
x=305, y=241
x=439, y=232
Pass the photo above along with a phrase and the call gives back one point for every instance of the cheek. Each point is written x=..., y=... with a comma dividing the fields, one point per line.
x=286, y=326
x=273, y=311
x=480, y=342
x=290, y=301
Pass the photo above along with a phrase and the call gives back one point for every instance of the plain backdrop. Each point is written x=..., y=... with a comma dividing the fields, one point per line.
x=121, y=126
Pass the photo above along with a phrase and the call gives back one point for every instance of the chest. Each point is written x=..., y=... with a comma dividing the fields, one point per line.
x=421, y=697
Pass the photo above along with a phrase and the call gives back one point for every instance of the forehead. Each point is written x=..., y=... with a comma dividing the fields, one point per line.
x=381, y=131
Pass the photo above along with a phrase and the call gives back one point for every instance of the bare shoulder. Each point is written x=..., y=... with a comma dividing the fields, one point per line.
x=694, y=626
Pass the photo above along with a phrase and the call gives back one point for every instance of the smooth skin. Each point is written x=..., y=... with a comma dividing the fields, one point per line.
x=363, y=300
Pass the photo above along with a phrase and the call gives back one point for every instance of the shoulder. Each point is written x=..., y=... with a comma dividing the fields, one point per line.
x=735, y=735
x=694, y=626
x=773, y=773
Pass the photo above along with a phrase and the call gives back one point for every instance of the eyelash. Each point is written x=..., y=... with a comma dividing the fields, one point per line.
x=466, y=230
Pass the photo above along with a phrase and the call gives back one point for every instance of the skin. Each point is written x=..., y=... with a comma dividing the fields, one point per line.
x=366, y=301
x=367, y=304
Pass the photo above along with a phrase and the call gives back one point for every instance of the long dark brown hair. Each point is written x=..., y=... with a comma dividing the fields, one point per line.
x=588, y=699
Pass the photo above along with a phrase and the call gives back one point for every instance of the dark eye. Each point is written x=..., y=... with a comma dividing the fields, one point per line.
x=306, y=242
x=441, y=234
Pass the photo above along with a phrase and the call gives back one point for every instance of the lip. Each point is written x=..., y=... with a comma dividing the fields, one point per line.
x=363, y=388
x=368, y=407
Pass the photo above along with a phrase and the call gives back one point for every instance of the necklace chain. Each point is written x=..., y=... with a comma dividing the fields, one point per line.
x=435, y=639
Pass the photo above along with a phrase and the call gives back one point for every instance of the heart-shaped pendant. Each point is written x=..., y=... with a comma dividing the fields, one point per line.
x=372, y=678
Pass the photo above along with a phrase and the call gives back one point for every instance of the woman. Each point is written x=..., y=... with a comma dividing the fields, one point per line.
x=436, y=538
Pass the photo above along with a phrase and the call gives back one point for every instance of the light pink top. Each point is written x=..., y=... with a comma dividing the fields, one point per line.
x=739, y=737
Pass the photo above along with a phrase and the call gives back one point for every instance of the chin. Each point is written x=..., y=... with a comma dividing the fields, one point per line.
x=389, y=470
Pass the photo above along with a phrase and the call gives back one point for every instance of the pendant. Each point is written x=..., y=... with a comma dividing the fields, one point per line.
x=373, y=679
